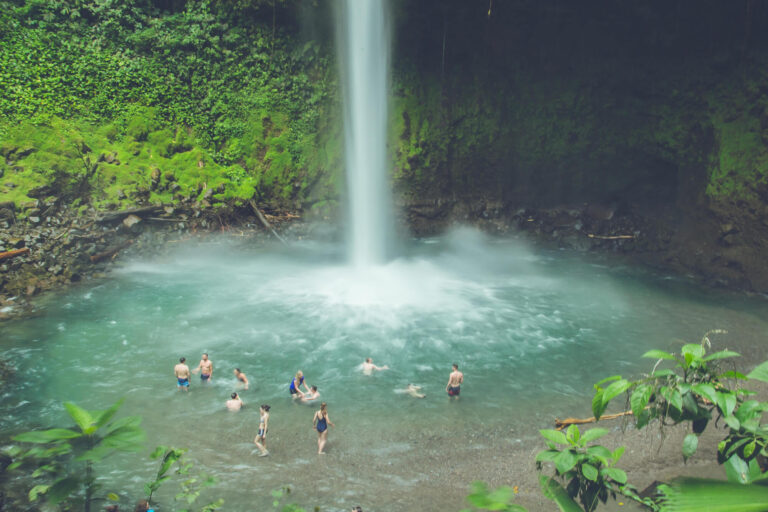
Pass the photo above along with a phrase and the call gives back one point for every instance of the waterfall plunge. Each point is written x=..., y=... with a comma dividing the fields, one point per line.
x=363, y=41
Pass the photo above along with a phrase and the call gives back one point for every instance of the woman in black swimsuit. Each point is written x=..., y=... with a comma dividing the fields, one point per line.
x=320, y=422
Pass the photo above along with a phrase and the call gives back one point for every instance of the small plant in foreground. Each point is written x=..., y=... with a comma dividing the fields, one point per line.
x=482, y=498
x=64, y=457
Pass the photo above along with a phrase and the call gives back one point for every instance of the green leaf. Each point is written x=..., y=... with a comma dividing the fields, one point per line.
x=47, y=436
x=599, y=451
x=82, y=418
x=749, y=449
x=547, y=455
x=593, y=434
x=128, y=421
x=598, y=406
x=760, y=372
x=589, y=471
x=690, y=444
x=726, y=402
x=615, y=389
x=658, y=354
x=36, y=491
x=573, y=434
x=697, y=495
x=732, y=422
x=615, y=474
x=705, y=390
x=107, y=415
x=694, y=350
x=737, y=470
x=599, y=385
x=113, y=497
x=62, y=489
x=721, y=355
x=730, y=374
x=552, y=490
x=617, y=453
x=500, y=496
x=565, y=461
x=554, y=435
x=639, y=399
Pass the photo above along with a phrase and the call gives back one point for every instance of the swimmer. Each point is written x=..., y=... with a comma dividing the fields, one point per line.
x=320, y=421
x=413, y=391
x=181, y=371
x=311, y=396
x=295, y=387
x=235, y=403
x=368, y=366
x=261, y=437
x=240, y=376
x=205, y=368
x=454, y=382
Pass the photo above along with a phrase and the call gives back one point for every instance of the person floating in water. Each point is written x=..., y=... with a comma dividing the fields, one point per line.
x=311, y=396
x=235, y=403
x=181, y=371
x=320, y=421
x=241, y=378
x=295, y=387
x=261, y=437
x=413, y=390
x=205, y=368
x=368, y=367
x=454, y=382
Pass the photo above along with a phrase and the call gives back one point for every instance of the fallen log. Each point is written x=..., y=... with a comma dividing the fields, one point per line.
x=117, y=216
x=264, y=221
x=12, y=254
x=561, y=424
x=611, y=237
x=95, y=258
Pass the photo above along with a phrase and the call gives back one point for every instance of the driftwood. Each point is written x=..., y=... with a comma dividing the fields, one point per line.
x=264, y=221
x=561, y=424
x=162, y=219
x=12, y=254
x=611, y=237
x=117, y=216
x=110, y=252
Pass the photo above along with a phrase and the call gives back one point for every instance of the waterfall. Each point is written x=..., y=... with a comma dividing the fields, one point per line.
x=363, y=41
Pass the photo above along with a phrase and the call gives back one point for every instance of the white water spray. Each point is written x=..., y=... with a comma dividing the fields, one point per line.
x=364, y=53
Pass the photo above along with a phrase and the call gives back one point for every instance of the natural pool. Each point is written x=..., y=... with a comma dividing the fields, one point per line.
x=532, y=330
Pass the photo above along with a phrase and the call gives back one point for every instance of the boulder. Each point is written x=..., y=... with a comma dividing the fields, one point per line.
x=132, y=223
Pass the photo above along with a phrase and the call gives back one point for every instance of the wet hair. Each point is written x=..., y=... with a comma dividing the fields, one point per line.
x=323, y=406
x=182, y=359
x=368, y=360
x=266, y=407
x=238, y=370
x=234, y=395
x=205, y=354
x=455, y=366
x=142, y=506
x=314, y=388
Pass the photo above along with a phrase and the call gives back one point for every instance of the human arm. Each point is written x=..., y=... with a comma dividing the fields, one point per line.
x=328, y=419
x=245, y=380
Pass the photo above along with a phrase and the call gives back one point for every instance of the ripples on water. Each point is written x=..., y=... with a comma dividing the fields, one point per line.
x=532, y=332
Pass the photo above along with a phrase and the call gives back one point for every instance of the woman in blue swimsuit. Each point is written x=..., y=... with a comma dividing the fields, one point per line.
x=296, y=383
x=320, y=422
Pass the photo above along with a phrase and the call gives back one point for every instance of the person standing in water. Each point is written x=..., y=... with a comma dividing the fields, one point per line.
x=235, y=403
x=320, y=422
x=205, y=368
x=261, y=437
x=368, y=366
x=181, y=371
x=295, y=387
x=454, y=382
x=241, y=378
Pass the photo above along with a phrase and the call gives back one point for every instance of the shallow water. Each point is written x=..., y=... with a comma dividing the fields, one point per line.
x=532, y=332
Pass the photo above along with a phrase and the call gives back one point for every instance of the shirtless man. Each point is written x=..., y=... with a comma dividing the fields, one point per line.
x=235, y=403
x=205, y=368
x=454, y=382
x=240, y=376
x=313, y=394
x=181, y=371
x=368, y=367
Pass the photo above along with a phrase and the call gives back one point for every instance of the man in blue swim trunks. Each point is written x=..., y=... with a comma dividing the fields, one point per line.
x=205, y=368
x=454, y=382
x=181, y=371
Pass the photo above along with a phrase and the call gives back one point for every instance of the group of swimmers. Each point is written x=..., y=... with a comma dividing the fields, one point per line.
x=321, y=420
